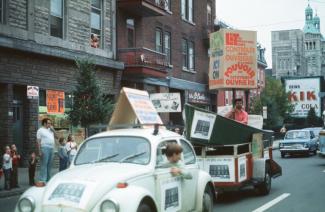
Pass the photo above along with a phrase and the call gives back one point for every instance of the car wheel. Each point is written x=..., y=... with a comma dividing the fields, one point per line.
x=144, y=208
x=207, y=200
x=265, y=187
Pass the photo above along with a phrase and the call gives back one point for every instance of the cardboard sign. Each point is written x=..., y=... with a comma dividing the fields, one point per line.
x=132, y=106
x=202, y=125
x=55, y=101
x=233, y=62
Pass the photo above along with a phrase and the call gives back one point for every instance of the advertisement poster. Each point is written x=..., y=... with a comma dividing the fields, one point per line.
x=55, y=102
x=233, y=62
x=166, y=102
x=242, y=173
x=221, y=169
x=303, y=93
x=171, y=199
x=202, y=125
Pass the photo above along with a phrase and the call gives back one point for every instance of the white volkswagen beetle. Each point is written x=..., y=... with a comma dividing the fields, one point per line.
x=123, y=170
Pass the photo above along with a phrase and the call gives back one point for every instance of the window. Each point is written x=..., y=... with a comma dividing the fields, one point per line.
x=189, y=155
x=188, y=53
x=2, y=11
x=167, y=49
x=159, y=41
x=96, y=17
x=209, y=15
x=56, y=19
x=130, y=32
x=187, y=10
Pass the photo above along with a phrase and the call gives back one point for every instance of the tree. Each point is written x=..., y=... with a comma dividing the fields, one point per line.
x=276, y=99
x=312, y=120
x=90, y=105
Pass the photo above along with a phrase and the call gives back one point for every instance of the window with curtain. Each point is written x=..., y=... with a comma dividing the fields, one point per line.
x=184, y=53
x=191, y=56
x=187, y=10
x=167, y=45
x=159, y=40
x=56, y=19
x=130, y=32
x=188, y=52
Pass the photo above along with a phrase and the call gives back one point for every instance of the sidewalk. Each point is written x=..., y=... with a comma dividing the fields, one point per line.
x=23, y=182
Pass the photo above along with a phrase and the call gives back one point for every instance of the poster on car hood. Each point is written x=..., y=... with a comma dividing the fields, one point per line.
x=166, y=102
x=303, y=93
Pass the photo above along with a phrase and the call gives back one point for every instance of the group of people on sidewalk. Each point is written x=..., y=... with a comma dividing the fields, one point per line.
x=10, y=162
x=46, y=136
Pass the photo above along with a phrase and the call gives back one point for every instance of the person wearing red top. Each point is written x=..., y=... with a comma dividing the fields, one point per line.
x=15, y=162
x=238, y=113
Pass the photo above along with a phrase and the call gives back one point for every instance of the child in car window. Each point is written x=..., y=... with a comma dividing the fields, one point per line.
x=173, y=153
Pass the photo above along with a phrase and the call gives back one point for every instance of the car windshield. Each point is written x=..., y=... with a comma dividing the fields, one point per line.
x=123, y=149
x=296, y=135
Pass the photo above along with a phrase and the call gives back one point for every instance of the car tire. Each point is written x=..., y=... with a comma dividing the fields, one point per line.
x=207, y=200
x=144, y=207
x=265, y=187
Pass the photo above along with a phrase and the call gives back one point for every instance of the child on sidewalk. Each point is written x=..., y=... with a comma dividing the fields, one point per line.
x=32, y=168
x=63, y=156
x=7, y=167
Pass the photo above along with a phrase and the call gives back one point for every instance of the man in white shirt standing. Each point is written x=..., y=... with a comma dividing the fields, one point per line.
x=45, y=141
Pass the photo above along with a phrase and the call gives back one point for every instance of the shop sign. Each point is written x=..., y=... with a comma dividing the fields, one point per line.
x=166, y=102
x=55, y=102
x=233, y=62
x=198, y=97
x=32, y=92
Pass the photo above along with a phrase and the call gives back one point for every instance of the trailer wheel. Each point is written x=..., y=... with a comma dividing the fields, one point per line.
x=265, y=187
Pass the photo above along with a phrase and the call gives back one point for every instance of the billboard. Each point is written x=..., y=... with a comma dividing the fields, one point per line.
x=55, y=102
x=303, y=93
x=166, y=102
x=233, y=59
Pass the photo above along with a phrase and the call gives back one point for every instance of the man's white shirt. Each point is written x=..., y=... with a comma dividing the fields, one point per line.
x=46, y=136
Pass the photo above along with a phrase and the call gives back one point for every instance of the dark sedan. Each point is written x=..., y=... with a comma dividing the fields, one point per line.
x=298, y=142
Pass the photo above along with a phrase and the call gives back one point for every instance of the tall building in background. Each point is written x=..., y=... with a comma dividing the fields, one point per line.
x=299, y=52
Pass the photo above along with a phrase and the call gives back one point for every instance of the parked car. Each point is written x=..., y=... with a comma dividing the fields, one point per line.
x=298, y=142
x=316, y=131
x=123, y=170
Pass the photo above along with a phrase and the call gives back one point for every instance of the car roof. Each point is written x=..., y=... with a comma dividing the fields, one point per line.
x=139, y=132
x=301, y=130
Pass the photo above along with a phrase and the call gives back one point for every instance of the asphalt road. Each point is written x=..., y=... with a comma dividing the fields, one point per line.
x=301, y=188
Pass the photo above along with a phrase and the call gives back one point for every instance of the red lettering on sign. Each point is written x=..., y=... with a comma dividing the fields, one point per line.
x=232, y=39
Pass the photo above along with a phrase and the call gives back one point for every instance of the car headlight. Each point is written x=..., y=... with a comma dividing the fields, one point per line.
x=26, y=204
x=109, y=206
x=281, y=145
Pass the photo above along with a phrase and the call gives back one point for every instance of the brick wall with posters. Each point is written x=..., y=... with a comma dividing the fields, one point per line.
x=173, y=23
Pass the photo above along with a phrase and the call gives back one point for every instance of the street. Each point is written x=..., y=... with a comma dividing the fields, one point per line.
x=300, y=189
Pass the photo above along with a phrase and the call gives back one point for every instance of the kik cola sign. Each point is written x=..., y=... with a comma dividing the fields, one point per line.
x=303, y=93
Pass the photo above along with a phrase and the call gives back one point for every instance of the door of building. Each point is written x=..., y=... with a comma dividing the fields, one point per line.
x=17, y=126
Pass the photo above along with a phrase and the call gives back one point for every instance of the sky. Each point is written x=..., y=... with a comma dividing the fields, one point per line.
x=265, y=16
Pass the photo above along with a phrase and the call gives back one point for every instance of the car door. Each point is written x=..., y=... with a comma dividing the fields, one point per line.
x=190, y=185
x=169, y=191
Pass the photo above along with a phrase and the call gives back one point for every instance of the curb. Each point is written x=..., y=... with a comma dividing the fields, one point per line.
x=12, y=192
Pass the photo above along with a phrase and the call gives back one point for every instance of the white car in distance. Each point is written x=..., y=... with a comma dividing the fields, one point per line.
x=124, y=170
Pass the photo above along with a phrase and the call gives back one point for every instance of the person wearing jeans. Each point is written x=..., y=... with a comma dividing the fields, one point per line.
x=45, y=141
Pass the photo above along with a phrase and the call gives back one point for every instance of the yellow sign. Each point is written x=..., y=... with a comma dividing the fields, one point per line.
x=55, y=101
x=233, y=61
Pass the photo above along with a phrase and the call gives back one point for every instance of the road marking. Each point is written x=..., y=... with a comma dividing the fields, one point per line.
x=271, y=203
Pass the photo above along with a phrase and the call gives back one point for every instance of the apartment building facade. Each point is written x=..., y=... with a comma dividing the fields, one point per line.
x=39, y=42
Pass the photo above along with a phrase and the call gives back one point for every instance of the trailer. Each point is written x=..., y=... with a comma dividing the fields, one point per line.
x=234, y=154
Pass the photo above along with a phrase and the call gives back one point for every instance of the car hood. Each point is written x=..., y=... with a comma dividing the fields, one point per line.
x=84, y=185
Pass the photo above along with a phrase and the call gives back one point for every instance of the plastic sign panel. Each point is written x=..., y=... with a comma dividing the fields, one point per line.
x=166, y=102
x=32, y=92
x=55, y=101
x=233, y=59
x=303, y=93
x=134, y=106
x=202, y=125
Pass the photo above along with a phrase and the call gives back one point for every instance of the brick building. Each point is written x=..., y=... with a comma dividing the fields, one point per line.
x=39, y=41
x=164, y=45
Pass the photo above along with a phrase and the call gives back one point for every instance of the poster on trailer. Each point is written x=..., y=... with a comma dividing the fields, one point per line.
x=304, y=94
